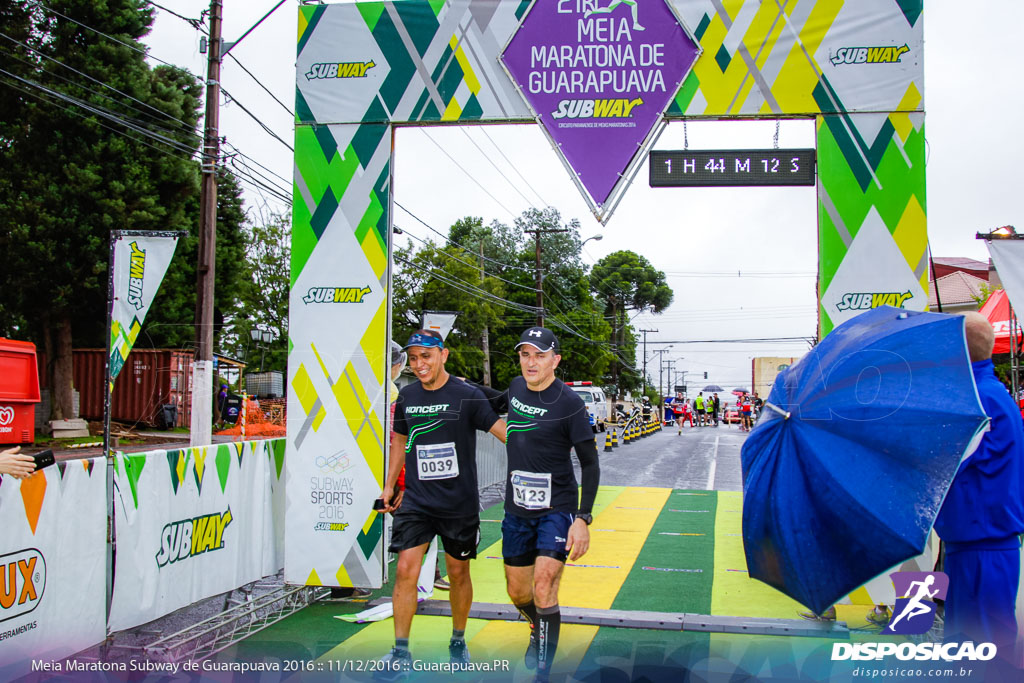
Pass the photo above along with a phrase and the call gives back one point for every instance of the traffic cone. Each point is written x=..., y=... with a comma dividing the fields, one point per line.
x=615, y=438
x=625, y=435
x=607, y=442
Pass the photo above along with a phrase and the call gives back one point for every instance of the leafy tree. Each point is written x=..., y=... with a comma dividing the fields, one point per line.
x=92, y=140
x=626, y=282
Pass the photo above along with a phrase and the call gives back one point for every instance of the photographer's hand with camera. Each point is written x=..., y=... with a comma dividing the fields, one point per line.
x=16, y=464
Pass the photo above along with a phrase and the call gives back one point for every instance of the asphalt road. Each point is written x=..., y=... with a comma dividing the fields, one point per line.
x=702, y=458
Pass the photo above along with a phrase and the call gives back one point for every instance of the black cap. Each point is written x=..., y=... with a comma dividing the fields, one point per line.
x=541, y=337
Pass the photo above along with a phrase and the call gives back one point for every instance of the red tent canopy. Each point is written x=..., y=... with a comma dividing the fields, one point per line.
x=997, y=310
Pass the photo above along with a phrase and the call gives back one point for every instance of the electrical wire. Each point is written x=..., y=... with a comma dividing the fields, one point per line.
x=96, y=80
x=543, y=201
x=265, y=88
x=197, y=24
x=257, y=120
x=467, y=173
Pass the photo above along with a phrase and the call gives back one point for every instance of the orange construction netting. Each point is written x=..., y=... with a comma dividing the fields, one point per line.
x=257, y=422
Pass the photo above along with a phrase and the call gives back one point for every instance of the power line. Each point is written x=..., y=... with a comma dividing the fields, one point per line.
x=257, y=120
x=467, y=173
x=514, y=168
x=95, y=80
x=495, y=166
x=466, y=287
x=197, y=24
x=265, y=88
x=463, y=247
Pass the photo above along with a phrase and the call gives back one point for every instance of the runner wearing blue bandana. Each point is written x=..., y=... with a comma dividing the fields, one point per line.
x=435, y=425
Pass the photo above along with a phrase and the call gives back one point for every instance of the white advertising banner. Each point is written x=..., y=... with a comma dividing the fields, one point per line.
x=52, y=564
x=1008, y=258
x=140, y=262
x=193, y=523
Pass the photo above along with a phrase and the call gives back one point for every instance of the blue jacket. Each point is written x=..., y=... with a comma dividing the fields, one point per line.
x=986, y=500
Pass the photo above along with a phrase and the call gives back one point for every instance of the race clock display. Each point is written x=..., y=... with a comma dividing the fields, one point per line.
x=731, y=167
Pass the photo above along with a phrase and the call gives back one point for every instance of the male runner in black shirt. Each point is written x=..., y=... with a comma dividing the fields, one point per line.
x=435, y=440
x=546, y=521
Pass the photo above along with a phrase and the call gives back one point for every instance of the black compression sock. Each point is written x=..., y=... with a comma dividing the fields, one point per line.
x=549, y=621
x=528, y=610
x=458, y=636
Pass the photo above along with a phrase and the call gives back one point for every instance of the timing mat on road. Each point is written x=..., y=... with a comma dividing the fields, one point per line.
x=651, y=549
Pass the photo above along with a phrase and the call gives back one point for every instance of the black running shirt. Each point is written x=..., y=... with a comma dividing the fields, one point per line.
x=542, y=428
x=440, y=449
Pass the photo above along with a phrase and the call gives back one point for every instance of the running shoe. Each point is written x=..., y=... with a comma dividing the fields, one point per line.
x=394, y=666
x=879, y=617
x=530, y=658
x=441, y=584
x=458, y=653
x=827, y=615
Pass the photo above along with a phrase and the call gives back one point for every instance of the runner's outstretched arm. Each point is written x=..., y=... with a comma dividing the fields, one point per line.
x=498, y=430
x=578, y=541
x=498, y=399
x=590, y=468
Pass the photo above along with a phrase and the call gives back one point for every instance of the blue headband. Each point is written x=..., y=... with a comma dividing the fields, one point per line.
x=425, y=340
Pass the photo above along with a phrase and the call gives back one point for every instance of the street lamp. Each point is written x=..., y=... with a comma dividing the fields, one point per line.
x=265, y=336
x=596, y=238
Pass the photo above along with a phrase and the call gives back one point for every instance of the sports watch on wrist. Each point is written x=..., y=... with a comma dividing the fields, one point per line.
x=587, y=518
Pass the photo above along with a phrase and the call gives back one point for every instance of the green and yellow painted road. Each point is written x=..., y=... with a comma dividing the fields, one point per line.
x=652, y=549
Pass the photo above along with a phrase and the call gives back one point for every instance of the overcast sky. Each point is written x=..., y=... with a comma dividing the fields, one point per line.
x=742, y=261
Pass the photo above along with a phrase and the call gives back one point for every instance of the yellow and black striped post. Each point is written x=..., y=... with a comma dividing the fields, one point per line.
x=607, y=442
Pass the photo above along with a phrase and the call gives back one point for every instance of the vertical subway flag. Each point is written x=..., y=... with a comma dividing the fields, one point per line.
x=140, y=262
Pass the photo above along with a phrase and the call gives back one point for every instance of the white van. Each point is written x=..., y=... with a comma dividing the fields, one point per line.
x=596, y=401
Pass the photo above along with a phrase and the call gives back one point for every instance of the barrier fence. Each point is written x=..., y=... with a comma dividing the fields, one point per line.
x=190, y=524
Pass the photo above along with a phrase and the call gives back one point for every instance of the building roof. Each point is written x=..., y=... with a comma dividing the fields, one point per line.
x=960, y=262
x=956, y=288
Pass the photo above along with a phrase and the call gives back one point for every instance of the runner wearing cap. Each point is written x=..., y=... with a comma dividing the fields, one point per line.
x=546, y=519
x=435, y=426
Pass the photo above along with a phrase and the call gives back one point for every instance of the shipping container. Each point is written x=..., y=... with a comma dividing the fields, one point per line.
x=149, y=379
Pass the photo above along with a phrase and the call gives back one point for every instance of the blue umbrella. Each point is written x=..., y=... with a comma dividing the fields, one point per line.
x=852, y=457
x=712, y=387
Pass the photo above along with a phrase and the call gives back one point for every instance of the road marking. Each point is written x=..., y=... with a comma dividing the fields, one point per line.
x=673, y=533
x=714, y=466
x=672, y=569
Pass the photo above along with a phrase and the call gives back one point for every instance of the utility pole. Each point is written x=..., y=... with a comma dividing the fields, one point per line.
x=202, y=373
x=540, y=293
x=645, y=358
x=485, y=341
x=671, y=366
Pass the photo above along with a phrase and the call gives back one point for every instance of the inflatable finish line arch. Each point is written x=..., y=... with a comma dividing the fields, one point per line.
x=856, y=67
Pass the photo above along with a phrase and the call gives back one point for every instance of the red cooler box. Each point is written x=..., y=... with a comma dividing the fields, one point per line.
x=19, y=391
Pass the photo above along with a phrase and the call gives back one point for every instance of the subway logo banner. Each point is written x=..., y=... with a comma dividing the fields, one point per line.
x=52, y=564
x=139, y=264
x=855, y=68
x=193, y=523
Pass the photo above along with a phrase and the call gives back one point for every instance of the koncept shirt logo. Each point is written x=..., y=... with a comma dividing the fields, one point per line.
x=916, y=592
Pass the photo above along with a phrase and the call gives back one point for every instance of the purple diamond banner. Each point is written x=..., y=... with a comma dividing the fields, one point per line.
x=599, y=74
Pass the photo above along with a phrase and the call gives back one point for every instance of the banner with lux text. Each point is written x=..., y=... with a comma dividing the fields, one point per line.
x=52, y=564
x=193, y=523
x=140, y=262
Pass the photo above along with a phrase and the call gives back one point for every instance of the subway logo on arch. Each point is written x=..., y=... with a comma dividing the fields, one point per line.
x=869, y=55
x=22, y=580
x=191, y=537
x=616, y=108
x=335, y=295
x=865, y=301
x=339, y=70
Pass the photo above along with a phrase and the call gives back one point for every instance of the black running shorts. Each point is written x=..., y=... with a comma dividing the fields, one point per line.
x=413, y=528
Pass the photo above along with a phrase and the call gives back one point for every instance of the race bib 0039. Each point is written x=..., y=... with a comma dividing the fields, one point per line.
x=437, y=461
x=531, y=491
